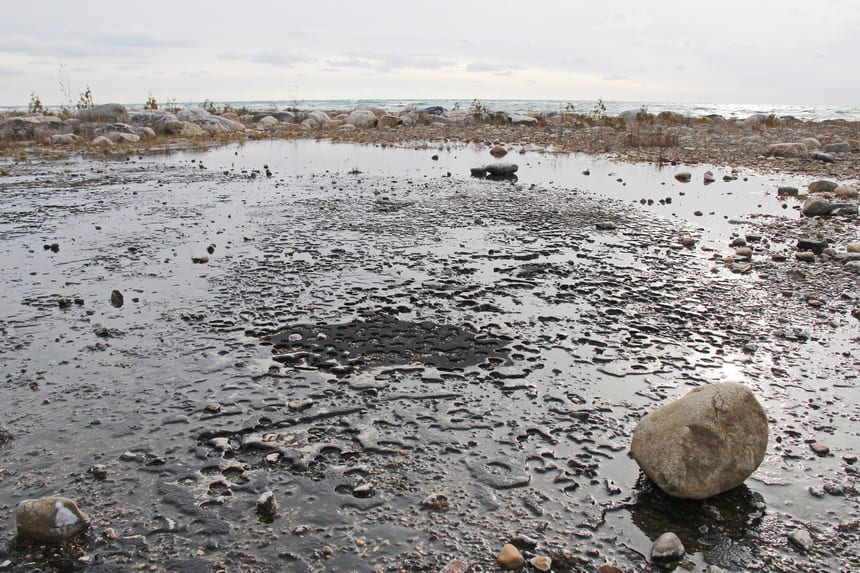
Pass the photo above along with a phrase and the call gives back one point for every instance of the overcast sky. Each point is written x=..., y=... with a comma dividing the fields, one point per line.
x=731, y=51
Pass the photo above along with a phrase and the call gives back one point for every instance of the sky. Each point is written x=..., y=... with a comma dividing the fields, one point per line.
x=793, y=52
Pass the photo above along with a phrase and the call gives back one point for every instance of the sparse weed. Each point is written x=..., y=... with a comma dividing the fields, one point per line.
x=150, y=103
x=35, y=105
x=85, y=101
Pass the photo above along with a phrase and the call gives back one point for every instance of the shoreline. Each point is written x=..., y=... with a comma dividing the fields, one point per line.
x=761, y=143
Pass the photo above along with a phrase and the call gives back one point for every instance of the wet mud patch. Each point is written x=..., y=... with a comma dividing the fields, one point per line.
x=383, y=340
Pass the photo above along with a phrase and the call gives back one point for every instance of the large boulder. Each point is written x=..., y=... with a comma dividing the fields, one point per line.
x=790, y=150
x=705, y=443
x=50, y=519
x=106, y=113
x=320, y=117
x=362, y=119
x=30, y=127
x=823, y=186
x=817, y=207
x=158, y=121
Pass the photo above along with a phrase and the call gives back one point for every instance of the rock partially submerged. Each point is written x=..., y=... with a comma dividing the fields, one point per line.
x=705, y=443
x=50, y=519
x=502, y=169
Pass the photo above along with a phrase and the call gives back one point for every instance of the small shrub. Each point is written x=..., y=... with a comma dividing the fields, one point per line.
x=171, y=106
x=477, y=109
x=35, y=105
x=150, y=103
x=209, y=106
x=771, y=121
x=599, y=110
x=85, y=101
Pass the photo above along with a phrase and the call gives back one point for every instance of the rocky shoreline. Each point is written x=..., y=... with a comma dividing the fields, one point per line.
x=763, y=143
x=347, y=370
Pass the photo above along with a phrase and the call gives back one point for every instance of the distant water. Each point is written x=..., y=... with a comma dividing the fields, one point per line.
x=740, y=111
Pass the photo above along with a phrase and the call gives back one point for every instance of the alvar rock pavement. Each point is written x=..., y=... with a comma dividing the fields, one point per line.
x=238, y=363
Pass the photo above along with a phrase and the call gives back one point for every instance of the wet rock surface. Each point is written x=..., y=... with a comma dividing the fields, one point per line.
x=707, y=442
x=419, y=368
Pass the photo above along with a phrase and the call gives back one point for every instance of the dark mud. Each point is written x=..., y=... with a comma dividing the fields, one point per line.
x=419, y=366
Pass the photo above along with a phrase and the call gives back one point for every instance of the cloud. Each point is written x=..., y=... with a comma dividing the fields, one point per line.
x=270, y=57
x=497, y=69
x=133, y=37
x=9, y=72
x=388, y=63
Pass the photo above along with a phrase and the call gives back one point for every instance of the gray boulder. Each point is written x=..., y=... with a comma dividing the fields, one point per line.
x=790, y=150
x=30, y=127
x=362, y=119
x=822, y=186
x=320, y=117
x=841, y=147
x=267, y=121
x=389, y=120
x=501, y=169
x=158, y=121
x=50, y=519
x=64, y=139
x=817, y=207
x=703, y=444
x=519, y=119
x=106, y=113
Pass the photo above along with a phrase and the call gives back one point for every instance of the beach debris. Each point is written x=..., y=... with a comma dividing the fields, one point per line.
x=541, y=563
x=707, y=442
x=50, y=519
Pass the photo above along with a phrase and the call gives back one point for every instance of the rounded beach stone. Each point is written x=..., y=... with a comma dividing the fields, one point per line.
x=667, y=548
x=705, y=443
x=814, y=206
x=50, y=519
x=510, y=557
x=822, y=186
x=498, y=151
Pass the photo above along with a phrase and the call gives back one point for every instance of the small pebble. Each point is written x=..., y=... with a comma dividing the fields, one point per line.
x=801, y=539
x=666, y=548
x=819, y=449
x=541, y=563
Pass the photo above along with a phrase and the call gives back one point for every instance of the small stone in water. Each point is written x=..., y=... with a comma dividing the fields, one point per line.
x=116, y=298
x=668, y=547
x=801, y=539
x=820, y=449
x=455, y=566
x=267, y=505
x=541, y=563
